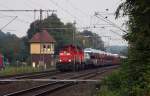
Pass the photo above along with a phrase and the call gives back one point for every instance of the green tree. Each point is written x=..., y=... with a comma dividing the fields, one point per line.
x=134, y=76
x=138, y=66
x=62, y=33
x=10, y=46
x=90, y=39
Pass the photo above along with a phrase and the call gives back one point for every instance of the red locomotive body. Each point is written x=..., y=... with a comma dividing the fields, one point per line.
x=71, y=54
x=70, y=57
x=74, y=58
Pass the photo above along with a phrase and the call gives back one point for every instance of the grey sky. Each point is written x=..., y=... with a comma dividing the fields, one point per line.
x=82, y=11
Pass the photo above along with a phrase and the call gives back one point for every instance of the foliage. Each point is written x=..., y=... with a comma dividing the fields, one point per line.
x=9, y=45
x=113, y=85
x=136, y=71
x=24, y=50
x=13, y=48
x=105, y=92
x=121, y=50
x=52, y=24
x=90, y=39
x=16, y=49
x=63, y=33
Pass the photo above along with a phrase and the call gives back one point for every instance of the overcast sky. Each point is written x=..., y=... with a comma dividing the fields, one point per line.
x=81, y=11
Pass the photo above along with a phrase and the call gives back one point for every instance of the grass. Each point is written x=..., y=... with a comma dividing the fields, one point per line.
x=11, y=70
x=105, y=92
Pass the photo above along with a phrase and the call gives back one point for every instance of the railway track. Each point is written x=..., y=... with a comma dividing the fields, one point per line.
x=45, y=89
x=43, y=74
x=29, y=75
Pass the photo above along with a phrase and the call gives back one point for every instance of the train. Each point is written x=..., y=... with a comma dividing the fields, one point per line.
x=1, y=62
x=72, y=57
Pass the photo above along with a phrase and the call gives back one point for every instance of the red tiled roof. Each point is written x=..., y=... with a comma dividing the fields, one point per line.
x=43, y=36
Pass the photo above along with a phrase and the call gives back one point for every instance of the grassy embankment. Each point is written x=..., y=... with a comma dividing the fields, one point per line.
x=11, y=70
x=116, y=83
x=110, y=86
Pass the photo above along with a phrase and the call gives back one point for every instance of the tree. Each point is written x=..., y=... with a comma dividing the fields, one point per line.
x=93, y=39
x=63, y=36
x=138, y=66
x=135, y=73
x=64, y=33
x=9, y=46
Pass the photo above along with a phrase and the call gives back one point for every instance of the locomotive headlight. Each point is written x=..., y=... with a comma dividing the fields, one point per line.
x=60, y=60
x=69, y=60
x=68, y=53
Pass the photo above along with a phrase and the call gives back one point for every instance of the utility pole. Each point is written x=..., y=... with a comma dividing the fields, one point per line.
x=74, y=33
x=8, y=23
x=35, y=10
x=99, y=16
x=40, y=25
x=74, y=63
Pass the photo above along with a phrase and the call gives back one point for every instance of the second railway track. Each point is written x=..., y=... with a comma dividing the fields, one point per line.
x=53, y=85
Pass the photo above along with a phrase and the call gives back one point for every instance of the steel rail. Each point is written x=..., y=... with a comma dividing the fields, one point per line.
x=60, y=85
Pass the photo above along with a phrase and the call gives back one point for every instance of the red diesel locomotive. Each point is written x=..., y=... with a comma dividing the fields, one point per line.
x=74, y=58
x=70, y=57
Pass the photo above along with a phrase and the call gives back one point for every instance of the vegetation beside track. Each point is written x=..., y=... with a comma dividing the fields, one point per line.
x=134, y=77
x=110, y=85
x=12, y=70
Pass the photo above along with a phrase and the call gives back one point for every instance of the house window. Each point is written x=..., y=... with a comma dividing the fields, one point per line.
x=43, y=49
x=44, y=46
x=48, y=47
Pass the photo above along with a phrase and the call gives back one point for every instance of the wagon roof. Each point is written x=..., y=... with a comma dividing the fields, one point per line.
x=94, y=51
x=44, y=36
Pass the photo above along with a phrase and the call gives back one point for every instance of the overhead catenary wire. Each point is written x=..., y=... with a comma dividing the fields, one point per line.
x=79, y=10
x=84, y=13
x=108, y=21
x=8, y=23
x=39, y=5
x=81, y=14
x=27, y=4
x=5, y=7
x=55, y=3
x=65, y=10
x=92, y=27
x=116, y=33
x=27, y=10
x=6, y=15
x=35, y=10
x=18, y=19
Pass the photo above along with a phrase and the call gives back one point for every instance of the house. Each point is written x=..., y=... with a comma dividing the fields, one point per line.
x=42, y=49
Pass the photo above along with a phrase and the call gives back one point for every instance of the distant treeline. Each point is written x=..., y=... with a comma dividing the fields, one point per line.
x=17, y=49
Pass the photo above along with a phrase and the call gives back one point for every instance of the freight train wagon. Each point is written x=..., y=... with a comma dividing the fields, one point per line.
x=74, y=58
x=100, y=58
